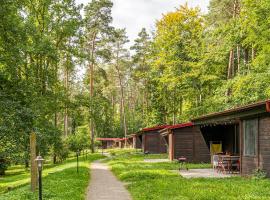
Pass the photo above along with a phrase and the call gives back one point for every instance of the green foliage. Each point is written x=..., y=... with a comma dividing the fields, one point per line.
x=34, y=44
x=200, y=64
x=3, y=166
x=259, y=174
x=80, y=140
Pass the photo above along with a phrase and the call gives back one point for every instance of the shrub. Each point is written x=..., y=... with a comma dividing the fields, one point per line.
x=3, y=166
x=259, y=174
x=79, y=141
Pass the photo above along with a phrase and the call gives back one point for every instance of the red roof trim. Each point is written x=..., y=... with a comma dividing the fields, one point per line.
x=155, y=128
x=268, y=106
x=183, y=125
x=110, y=139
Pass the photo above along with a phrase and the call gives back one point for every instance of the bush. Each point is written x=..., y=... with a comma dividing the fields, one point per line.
x=63, y=153
x=3, y=166
x=79, y=141
x=259, y=174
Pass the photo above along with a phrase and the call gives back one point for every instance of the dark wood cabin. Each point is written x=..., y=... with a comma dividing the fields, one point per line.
x=186, y=140
x=152, y=141
x=108, y=143
x=121, y=142
x=135, y=141
x=242, y=131
x=129, y=141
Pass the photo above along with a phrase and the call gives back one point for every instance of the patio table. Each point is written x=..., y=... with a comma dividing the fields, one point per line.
x=227, y=163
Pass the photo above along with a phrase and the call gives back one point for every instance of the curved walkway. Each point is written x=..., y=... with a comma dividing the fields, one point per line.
x=104, y=185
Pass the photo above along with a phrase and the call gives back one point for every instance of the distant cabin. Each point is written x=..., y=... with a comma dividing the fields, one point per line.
x=108, y=143
x=135, y=140
x=242, y=131
x=152, y=141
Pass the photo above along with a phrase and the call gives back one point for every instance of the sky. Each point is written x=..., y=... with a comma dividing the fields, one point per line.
x=136, y=14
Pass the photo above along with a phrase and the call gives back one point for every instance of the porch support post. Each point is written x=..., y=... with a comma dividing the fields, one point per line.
x=171, y=145
x=134, y=142
x=258, y=144
x=143, y=143
x=241, y=143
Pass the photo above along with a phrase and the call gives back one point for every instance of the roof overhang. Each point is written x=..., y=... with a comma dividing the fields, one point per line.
x=155, y=128
x=234, y=115
x=166, y=131
x=108, y=139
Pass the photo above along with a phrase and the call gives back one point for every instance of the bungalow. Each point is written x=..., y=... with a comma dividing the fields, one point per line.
x=107, y=143
x=186, y=140
x=135, y=140
x=242, y=132
x=130, y=141
x=152, y=141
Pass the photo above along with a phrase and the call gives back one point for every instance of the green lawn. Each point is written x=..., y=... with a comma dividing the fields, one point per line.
x=154, y=181
x=59, y=181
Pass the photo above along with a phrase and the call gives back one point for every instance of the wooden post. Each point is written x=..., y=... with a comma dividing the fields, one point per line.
x=134, y=142
x=33, y=162
x=241, y=144
x=171, y=145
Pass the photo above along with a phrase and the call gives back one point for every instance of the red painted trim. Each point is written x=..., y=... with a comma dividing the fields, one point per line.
x=183, y=125
x=268, y=106
x=145, y=146
x=110, y=139
x=155, y=128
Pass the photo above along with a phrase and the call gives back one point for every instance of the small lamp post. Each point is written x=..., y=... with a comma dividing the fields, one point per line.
x=39, y=161
x=78, y=153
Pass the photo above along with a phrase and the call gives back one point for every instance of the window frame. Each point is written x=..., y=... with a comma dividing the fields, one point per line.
x=256, y=120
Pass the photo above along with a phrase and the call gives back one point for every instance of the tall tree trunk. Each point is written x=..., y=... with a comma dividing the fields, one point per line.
x=231, y=65
x=143, y=103
x=253, y=53
x=55, y=98
x=91, y=71
x=146, y=99
x=180, y=107
x=121, y=114
x=113, y=111
x=238, y=58
x=230, y=70
x=122, y=94
x=246, y=56
x=174, y=109
x=66, y=106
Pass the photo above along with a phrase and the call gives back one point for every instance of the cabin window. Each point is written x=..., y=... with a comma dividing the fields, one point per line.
x=250, y=137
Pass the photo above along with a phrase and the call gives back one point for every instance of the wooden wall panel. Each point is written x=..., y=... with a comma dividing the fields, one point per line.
x=138, y=142
x=154, y=143
x=189, y=142
x=264, y=144
x=201, y=150
x=249, y=164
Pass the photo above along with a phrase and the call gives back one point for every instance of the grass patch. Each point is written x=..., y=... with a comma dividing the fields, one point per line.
x=59, y=181
x=154, y=181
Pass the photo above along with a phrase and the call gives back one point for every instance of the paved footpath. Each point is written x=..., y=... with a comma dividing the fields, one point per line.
x=104, y=185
